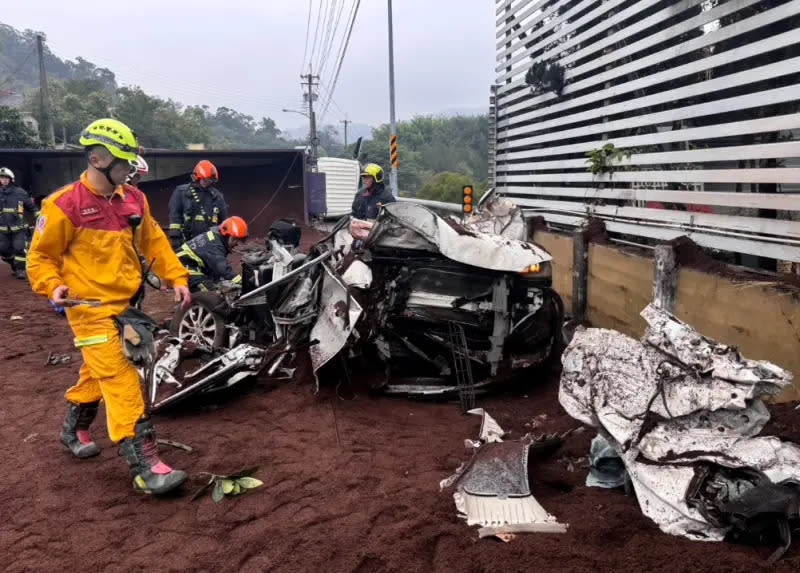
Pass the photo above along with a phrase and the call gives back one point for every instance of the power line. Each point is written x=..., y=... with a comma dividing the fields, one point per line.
x=332, y=38
x=19, y=67
x=308, y=29
x=327, y=95
x=277, y=191
x=338, y=49
x=323, y=40
x=341, y=56
x=316, y=32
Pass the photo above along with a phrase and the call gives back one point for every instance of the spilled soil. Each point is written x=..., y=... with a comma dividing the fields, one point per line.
x=349, y=484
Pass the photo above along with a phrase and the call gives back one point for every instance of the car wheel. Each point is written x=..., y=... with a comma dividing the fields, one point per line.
x=201, y=322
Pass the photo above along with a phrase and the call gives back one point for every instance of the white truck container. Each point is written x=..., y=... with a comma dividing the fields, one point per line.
x=341, y=183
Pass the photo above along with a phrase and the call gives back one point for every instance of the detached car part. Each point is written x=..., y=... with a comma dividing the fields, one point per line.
x=492, y=489
x=684, y=414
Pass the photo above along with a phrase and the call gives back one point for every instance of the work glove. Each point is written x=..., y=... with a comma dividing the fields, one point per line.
x=136, y=332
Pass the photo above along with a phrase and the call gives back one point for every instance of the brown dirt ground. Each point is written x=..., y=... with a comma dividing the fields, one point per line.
x=348, y=485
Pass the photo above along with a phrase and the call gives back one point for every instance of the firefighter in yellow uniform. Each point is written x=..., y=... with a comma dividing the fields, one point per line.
x=83, y=249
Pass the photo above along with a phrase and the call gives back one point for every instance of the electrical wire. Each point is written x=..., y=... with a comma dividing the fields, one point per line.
x=277, y=191
x=18, y=68
x=341, y=56
x=316, y=32
x=340, y=111
x=326, y=30
x=308, y=29
x=338, y=49
x=332, y=39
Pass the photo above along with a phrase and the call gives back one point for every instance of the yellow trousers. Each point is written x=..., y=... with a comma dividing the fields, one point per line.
x=107, y=374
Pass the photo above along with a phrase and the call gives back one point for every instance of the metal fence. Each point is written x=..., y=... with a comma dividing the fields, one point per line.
x=699, y=98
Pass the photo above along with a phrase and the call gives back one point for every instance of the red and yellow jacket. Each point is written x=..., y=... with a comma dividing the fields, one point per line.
x=83, y=240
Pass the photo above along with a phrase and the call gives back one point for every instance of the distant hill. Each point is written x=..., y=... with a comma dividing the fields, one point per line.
x=354, y=131
x=466, y=111
x=19, y=66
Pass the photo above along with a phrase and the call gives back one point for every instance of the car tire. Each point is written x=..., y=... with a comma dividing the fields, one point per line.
x=202, y=321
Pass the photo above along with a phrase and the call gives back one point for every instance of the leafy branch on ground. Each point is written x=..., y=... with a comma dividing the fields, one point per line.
x=543, y=76
x=234, y=484
x=604, y=159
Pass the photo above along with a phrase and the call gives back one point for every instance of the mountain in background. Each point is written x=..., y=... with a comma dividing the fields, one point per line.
x=438, y=153
x=354, y=131
x=19, y=67
x=466, y=111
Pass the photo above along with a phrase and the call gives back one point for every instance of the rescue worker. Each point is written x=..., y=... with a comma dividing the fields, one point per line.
x=197, y=206
x=83, y=248
x=14, y=203
x=206, y=255
x=372, y=195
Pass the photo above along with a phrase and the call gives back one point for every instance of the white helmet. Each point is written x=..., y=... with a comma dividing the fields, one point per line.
x=6, y=172
x=141, y=166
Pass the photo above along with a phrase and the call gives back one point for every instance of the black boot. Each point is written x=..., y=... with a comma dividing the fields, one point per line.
x=150, y=474
x=75, y=430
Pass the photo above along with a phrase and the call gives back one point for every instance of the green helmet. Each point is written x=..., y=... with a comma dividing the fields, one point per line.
x=373, y=170
x=112, y=134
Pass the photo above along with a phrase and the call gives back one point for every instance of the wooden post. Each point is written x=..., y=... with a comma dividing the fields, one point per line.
x=580, y=275
x=665, y=278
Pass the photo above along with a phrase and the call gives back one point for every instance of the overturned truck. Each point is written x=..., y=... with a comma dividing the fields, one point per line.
x=429, y=303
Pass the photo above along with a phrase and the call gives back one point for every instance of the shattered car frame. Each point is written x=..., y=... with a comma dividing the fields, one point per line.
x=684, y=415
x=394, y=298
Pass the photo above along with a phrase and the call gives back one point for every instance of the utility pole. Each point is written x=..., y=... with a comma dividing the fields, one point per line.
x=45, y=94
x=312, y=118
x=393, y=141
x=345, y=121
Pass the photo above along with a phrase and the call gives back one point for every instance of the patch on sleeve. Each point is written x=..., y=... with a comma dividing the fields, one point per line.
x=40, y=223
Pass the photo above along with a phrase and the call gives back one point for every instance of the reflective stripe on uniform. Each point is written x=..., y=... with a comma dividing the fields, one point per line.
x=3, y=229
x=237, y=279
x=175, y=226
x=210, y=235
x=19, y=259
x=200, y=218
x=90, y=340
x=6, y=210
x=187, y=252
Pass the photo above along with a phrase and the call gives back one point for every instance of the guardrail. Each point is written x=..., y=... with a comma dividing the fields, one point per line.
x=437, y=205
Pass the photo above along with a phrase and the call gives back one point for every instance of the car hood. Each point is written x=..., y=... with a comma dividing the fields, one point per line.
x=412, y=226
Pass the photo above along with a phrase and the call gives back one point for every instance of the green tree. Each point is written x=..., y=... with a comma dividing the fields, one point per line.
x=329, y=141
x=448, y=186
x=429, y=145
x=160, y=123
x=13, y=131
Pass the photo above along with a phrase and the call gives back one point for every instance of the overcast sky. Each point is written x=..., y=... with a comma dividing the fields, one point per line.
x=248, y=54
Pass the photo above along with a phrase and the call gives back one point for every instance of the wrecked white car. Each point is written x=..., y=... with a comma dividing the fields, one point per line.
x=433, y=305
x=683, y=413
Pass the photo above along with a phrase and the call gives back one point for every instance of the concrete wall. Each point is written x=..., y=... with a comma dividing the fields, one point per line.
x=759, y=319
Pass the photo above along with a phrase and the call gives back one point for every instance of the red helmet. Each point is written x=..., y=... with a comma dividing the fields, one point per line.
x=234, y=227
x=205, y=170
